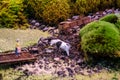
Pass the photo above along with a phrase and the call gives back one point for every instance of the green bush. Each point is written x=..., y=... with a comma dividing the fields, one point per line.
x=72, y=7
x=85, y=6
x=105, y=4
x=56, y=11
x=112, y=18
x=34, y=8
x=101, y=39
x=89, y=27
x=50, y=11
x=6, y=18
x=117, y=24
x=81, y=6
x=11, y=13
x=118, y=3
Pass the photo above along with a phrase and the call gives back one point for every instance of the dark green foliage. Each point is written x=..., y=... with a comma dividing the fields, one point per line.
x=104, y=4
x=56, y=11
x=72, y=7
x=118, y=3
x=100, y=39
x=35, y=8
x=50, y=11
x=89, y=27
x=117, y=24
x=11, y=14
x=6, y=17
x=112, y=18
x=85, y=6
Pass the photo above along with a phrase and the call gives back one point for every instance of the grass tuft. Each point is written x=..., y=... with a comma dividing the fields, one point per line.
x=27, y=37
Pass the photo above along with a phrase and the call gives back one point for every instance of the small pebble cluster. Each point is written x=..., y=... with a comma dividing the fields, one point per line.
x=34, y=24
x=59, y=66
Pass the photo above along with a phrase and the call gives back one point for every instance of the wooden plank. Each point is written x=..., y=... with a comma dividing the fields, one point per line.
x=17, y=60
x=64, y=25
x=7, y=58
x=86, y=20
x=79, y=22
x=73, y=23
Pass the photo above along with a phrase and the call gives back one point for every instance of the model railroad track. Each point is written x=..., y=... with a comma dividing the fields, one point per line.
x=12, y=58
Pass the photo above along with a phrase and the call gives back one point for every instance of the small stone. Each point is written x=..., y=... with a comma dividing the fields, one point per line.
x=45, y=29
x=33, y=21
x=37, y=24
x=81, y=72
x=89, y=71
x=42, y=27
x=79, y=62
x=57, y=59
x=95, y=70
x=77, y=69
x=49, y=50
x=76, y=17
x=71, y=73
x=61, y=73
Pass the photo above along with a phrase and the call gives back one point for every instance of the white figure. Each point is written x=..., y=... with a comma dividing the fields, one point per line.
x=61, y=44
x=54, y=41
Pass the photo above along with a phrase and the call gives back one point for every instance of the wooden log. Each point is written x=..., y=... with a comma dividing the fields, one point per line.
x=11, y=58
x=64, y=25
x=86, y=20
x=79, y=22
x=72, y=23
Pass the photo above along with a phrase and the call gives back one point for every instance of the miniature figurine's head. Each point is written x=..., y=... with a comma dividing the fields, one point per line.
x=17, y=40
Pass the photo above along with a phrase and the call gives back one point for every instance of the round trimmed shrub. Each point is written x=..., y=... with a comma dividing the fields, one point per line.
x=100, y=39
x=89, y=27
x=117, y=24
x=112, y=18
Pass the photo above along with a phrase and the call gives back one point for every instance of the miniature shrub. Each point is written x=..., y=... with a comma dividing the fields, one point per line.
x=85, y=6
x=6, y=18
x=102, y=40
x=118, y=3
x=49, y=11
x=117, y=24
x=104, y=4
x=11, y=13
x=56, y=11
x=112, y=18
x=34, y=8
x=89, y=27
